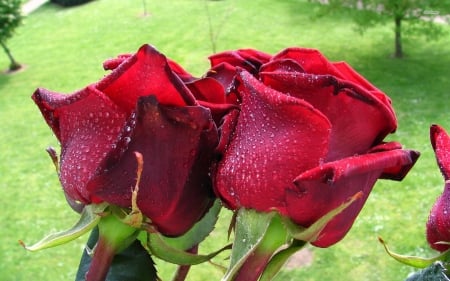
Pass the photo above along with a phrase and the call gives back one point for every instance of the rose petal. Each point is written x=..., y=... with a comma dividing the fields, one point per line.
x=324, y=188
x=438, y=224
x=349, y=74
x=145, y=73
x=314, y=62
x=207, y=89
x=440, y=141
x=276, y=138
x=113, y=63
x=249, y=59
x=177, y=145
x=87, y=125
x=180, y=71
x=359, y=120
x=311, y=60
x=282, y=65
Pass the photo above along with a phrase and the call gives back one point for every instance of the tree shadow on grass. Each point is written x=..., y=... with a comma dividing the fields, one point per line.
x=4, y=79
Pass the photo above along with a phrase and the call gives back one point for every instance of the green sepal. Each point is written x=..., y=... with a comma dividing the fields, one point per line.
x=133, y=263
x=88, y=220
x=118, y=234
x=198, y=232
x=312, y=233
x=157, y=246
x=279, y=259
x=415, y=261
x=173, y=249
x=255, y=231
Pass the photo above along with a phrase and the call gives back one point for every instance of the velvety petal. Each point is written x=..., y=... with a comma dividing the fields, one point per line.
x=275, y=139
x=207, y=89
x=180, y=71
x=177, y=145
x=311, y=60
x=349, y=74
x=359, y=120
x=440, y=142
x=111, y=64
x=145, y=73
x=282, y=65
x=327, y=186
x=226, y=130
x=211, y=94
x=249, y=59
x=393, y=172
x=314, y=62
x=87, y=125
x=223, y=73
x=438, y=224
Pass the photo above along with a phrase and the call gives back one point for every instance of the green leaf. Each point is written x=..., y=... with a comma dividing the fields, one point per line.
x=89, y=219
x=279, y=259
x=158, y=247
x=414, y=261
x=435, y=272
x=198, y=232
x=133, y=263
x=312, y=233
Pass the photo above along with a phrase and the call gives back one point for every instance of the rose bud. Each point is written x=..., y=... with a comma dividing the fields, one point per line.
x=438, y=225
x=308, y=136
x=141, y=106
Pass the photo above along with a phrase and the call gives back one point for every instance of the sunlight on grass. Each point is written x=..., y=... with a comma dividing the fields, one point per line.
x=63, y=49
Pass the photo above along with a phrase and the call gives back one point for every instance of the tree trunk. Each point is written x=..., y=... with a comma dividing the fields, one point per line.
x=398, y=37
x=14, y=65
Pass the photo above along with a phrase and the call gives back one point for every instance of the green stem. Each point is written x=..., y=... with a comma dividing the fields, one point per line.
x=256, y=262
x=103, y=256
x=114, y=236
x=254, y=266
x=183, y=270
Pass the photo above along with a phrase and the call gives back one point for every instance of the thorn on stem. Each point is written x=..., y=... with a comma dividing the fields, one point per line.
x=54, y=156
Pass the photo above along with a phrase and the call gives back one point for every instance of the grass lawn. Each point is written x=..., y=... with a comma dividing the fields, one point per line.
x=63, y=49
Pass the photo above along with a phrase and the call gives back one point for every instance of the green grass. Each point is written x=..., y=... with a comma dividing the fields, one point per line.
x=63, y=50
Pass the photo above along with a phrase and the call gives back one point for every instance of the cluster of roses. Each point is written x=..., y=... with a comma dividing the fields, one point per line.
x=292, y=132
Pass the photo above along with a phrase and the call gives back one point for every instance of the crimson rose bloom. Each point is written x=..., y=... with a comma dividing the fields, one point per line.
x=143, y=105
x=438, y=225
x=307, y=137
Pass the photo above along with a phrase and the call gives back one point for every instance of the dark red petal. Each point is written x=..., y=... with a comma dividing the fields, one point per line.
x=145, y=73
x=249, y=59
x=440, y=141
x=359, y=120
x=314, y=62
x=180, y=71
x=113, y=63
x=438, y=225
x=226, y=130
x=87, y=124
x=346, y=72
x=282, y=65
x=224, y=73
x=207, y=89
x=311, y=60
x=327, y=186
x=276, y=138
x=177, y=145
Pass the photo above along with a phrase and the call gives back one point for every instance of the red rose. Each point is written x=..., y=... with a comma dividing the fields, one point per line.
x=307, y=137
x=142, y=105
x=438, y=225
